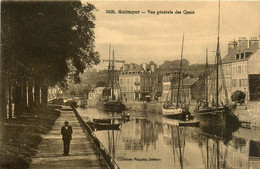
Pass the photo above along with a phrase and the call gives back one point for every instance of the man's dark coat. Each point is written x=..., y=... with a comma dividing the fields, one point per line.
x=66, y=133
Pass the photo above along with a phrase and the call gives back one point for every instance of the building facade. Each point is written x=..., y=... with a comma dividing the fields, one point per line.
x=242, y=60
x=188, y=91
x=137, y=83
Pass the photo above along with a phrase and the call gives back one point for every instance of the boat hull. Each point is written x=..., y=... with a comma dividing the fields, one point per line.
x=102, y=126
x=222, y=117
x=111, y=106
x=176, y=113
x=114, y=106
x=102, y=121
x=172, y=112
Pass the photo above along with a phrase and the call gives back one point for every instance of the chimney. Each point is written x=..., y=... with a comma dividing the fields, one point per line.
x=254, y=42
x=132, y=67
x=152, y=68
x=242, y=43
x=232, y=45
x=125, y=67
x=144, y=66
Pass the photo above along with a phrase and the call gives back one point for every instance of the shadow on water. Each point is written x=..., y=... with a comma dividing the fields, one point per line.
x=218, y=132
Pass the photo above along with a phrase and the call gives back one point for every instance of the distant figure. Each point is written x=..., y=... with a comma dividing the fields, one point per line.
x=66, y=132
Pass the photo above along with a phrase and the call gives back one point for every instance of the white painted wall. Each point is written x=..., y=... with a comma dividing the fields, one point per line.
x=254, y=63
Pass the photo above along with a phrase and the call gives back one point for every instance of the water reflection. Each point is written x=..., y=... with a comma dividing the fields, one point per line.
x=150, y=141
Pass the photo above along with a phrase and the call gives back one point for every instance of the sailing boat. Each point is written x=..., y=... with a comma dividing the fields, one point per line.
x=205, y=107
x=111, y=101
x=180, y=110
x=216, y=114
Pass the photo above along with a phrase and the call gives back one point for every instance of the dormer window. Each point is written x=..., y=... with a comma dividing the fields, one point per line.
x=247, y=54
x=242, y=55
x=237, y=56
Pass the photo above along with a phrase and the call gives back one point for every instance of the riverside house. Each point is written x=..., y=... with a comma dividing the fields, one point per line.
x=137, y=82
x=191, y=88
x=241, y=67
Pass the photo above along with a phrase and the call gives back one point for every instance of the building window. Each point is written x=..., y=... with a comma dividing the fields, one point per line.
x=121, y=81
x=239, y=69
x=233, y=70
x=234, y=82
x=248, y=54
x=246, y=82
x=242, y=55
x=132, y=89
x=240, y=83
x=237, y=56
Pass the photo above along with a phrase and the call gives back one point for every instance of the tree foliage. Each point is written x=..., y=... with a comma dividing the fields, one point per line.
x=46, y=42
x=49, y=40
x=169, y=65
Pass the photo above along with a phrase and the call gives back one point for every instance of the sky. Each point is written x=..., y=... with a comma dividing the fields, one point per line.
x=141, y=38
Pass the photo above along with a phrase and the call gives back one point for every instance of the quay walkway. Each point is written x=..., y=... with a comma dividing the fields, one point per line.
x=50, y=153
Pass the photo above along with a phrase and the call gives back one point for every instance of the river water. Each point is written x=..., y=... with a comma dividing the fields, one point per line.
x=151, y=141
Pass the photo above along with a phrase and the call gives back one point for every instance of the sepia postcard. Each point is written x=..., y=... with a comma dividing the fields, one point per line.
x=130, y=84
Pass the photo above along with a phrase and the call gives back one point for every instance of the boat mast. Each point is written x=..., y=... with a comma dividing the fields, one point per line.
x=206, y=79
x=180, y=74
x=172, y=87
x=113, y=76
x=109, y=67
x=217, y=56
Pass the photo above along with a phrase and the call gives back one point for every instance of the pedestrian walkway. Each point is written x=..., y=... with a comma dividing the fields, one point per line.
x=50, y=153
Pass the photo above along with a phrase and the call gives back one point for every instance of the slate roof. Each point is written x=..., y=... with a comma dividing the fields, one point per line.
x=231, y=56
x=187, y=81
x=138, y=68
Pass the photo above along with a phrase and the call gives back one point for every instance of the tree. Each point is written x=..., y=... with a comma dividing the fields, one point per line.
x=44, y=44
x=169, y=65
x=238, y=97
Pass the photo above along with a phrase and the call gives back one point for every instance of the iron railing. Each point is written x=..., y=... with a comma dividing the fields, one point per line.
x=104, y=155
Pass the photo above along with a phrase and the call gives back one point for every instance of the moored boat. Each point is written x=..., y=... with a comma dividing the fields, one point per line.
x=171, y=111
x=108, y=98
x=114, y=106
x=181, y=109
x=216, y=114
x=191, y=123
x=102, y=121
x=106, y=126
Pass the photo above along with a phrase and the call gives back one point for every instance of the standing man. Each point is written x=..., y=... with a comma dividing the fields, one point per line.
x=66, y=132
